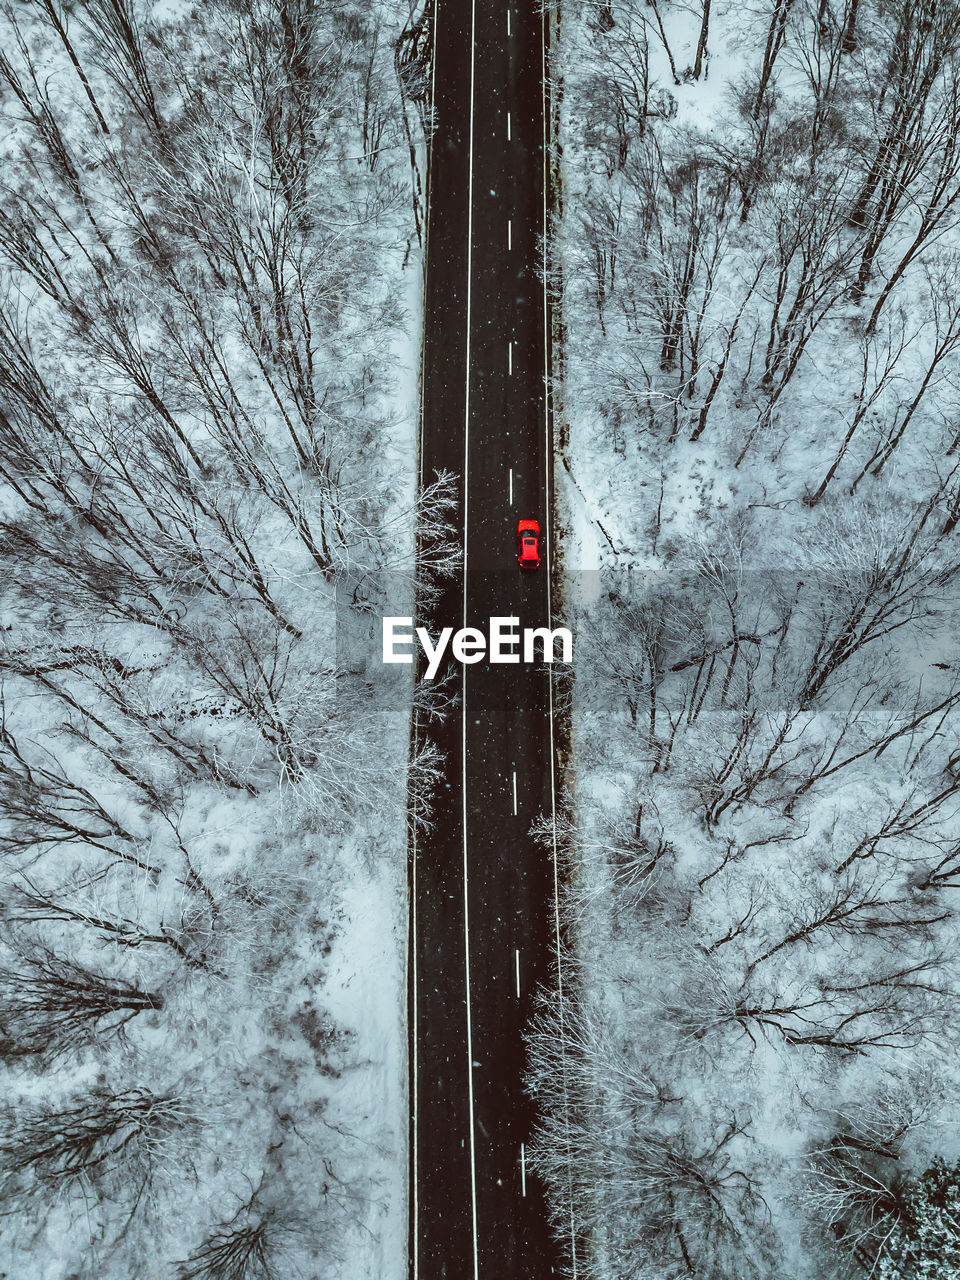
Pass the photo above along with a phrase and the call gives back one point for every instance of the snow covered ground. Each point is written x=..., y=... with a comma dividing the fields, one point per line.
x=760, y=491
x=207, y=435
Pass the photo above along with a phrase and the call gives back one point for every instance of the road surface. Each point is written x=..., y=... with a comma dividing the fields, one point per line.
x=483, y=920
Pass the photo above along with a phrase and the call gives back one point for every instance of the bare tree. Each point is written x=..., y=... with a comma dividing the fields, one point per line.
x=115, y=1141
x=881, y=368
x=232, y=1253
x=621, y=1174
x=52, y=1006
x=250, y=1245
x=114, y=34
x=921, y=44
x=856, y=1178
x=872, y=580
x=850, y=905
x=942, y=276
x=43, y=809
x=56, y=15
x=689, y=195
x=810, y=271
x=29, y=902
x=900, y=1007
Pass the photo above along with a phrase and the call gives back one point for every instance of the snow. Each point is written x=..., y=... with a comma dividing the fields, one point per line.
x=179, y=681
x=366, y=992
x=742, y=722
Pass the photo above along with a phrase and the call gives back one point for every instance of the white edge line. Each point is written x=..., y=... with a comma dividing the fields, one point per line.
x=463, y=702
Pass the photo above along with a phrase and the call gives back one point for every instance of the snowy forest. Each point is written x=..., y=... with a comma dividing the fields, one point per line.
x=209, y=289
x=753, y=1073
x=208, y=231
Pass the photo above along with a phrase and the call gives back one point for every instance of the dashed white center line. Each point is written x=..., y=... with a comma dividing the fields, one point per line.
x=511, y=486
x=517, y=953
x=514, y=793
x=508, y=127
x=509, y=233
x=523, y=1170
x=509, y=357
x=508, y=22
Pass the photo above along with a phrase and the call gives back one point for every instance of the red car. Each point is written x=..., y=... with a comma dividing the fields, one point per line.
x=528, y=544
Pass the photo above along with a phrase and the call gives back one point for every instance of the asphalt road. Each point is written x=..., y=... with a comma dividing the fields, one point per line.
x=483, y=892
